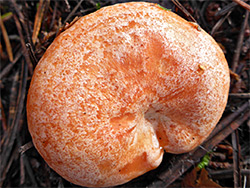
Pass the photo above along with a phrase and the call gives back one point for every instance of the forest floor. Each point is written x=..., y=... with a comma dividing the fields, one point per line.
x=27, y=29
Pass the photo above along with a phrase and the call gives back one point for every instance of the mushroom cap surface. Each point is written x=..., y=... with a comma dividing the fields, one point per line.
x=120, y=86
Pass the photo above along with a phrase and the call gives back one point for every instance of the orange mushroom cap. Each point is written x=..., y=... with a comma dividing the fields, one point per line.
x=119, y=87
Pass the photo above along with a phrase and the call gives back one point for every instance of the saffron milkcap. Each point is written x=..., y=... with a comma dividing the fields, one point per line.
x=120, y=86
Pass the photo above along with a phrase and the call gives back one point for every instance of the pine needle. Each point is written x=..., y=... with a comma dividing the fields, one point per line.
x=6, y=40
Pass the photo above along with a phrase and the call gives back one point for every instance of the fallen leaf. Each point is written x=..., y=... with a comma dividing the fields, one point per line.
x=205, y=181
x=190, y=180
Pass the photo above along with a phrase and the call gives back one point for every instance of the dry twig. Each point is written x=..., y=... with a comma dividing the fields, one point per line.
x=242, y=4
x=7, y=69
x=182, y=8
x=236, y=158
x=38, y=19
x=6, y=40
x=240, y=95
x=9, y=142
x=73, y=11
x=25, y=52
x=239, y=43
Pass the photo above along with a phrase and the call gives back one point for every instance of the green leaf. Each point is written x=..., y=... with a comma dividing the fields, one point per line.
x=6, y=15
x=205, y=161
x=98, y=5
x=163, y=7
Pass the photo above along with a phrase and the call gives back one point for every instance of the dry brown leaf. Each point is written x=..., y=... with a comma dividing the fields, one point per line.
x=190, y=179
x=205, y=181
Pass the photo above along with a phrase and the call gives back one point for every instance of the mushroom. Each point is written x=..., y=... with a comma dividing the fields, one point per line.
x=120, y=86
